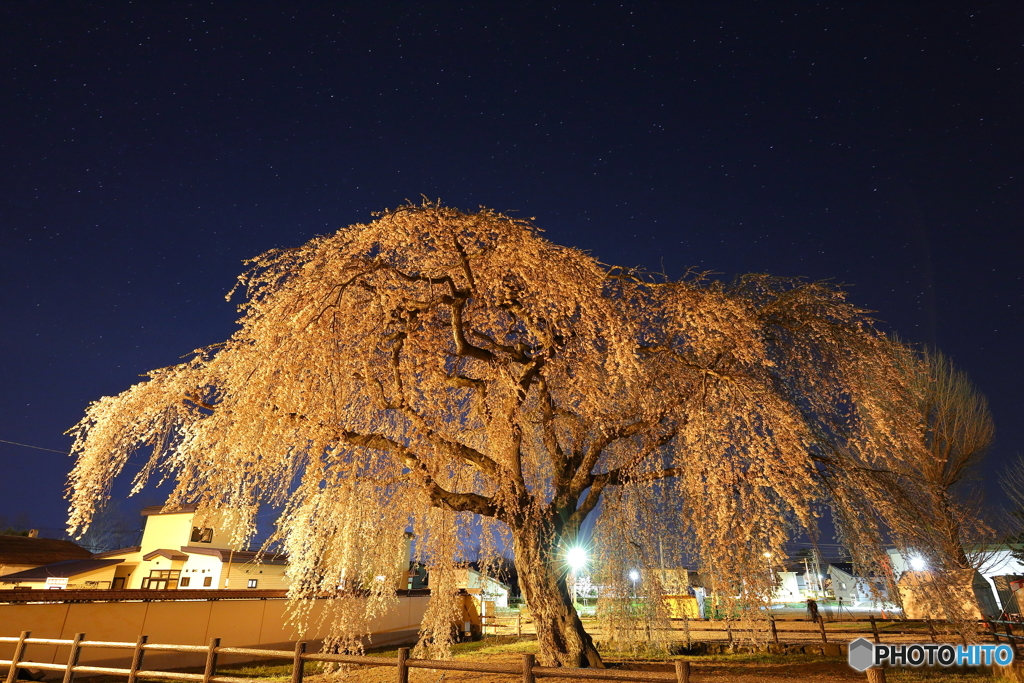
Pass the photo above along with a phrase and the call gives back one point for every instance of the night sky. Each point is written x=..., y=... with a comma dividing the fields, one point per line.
x=148, y=148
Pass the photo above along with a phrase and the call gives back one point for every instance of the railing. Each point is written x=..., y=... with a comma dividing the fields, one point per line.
x=773, y=630
x=21, y=595
x=527, y=670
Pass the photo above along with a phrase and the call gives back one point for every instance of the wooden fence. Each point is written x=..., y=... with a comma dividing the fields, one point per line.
x=841, y=631
x=527, y=670
x=29, y=595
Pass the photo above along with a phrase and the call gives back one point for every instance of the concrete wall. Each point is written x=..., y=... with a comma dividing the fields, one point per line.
x=238, y=623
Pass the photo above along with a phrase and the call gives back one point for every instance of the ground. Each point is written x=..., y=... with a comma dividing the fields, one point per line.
x=738, y=668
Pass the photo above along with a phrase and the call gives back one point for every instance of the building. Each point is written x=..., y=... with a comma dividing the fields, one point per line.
x=995, y=562
x=177, y=551
x=21, y=553
x=925, y=596
x=74, y=574
x=484, y=589
x=180, y=551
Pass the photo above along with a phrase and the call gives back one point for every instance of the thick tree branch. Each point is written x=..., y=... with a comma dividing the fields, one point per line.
x=439, y=496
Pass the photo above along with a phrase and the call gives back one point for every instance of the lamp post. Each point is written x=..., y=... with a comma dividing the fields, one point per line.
x=577, y=560
x=634, y=576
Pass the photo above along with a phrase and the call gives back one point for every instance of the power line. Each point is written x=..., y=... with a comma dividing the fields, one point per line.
x=38, y=448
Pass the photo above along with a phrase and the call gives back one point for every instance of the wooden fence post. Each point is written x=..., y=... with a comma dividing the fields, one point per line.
x=682, y=671
x=19, y=654
x=992, y=630
x=76, y=651
x=210, y=670
x=876, y=675
x=1008, y=627
x=519, y=626
x=686, y=626
x=528, y=661
x=775, y=632
x=931, y=630
x=136, y=664
x=821, y=627
x=403, y=668
x=728, y=630
x=298, y=666
x=874, y=628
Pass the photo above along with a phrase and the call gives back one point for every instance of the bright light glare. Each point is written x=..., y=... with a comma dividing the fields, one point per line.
x=634, y=575
x=576, y=557
x=917, y=563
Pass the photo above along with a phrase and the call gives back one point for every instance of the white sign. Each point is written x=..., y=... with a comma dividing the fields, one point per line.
x=56, y=582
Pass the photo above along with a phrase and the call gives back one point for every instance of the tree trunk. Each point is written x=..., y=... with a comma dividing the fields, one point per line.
x=563, y=641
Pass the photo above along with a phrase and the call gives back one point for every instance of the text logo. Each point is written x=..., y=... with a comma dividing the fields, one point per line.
x=863, y=654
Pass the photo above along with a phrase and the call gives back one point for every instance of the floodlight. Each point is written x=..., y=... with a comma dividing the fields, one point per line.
x=918, y=563
x=576, y=557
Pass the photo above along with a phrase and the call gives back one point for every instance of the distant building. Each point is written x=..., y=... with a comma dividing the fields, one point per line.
x=178, y=551
x=483, y=588
x=20, y=553
x=995, y=563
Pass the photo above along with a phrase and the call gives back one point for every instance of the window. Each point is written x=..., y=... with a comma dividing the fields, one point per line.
x=252, y=583
x=204, y=535
x=207, y=581
x=184, y=581
x=161, y=579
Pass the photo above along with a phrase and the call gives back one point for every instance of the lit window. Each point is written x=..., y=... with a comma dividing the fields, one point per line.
x=253, y=582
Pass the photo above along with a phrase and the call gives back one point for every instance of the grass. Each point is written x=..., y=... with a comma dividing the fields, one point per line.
x=278, y=671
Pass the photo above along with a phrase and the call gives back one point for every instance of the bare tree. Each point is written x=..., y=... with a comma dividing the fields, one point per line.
x=957, y=431
x=460, y=374
x=110, y=529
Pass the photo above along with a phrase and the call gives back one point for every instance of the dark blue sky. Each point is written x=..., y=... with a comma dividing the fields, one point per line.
x=146, y=149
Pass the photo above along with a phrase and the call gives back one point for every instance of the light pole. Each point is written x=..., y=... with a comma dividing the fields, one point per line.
x=577, y=560
x=634, y=576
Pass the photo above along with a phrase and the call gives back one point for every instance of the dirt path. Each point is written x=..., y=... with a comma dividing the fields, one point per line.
x=711, y=672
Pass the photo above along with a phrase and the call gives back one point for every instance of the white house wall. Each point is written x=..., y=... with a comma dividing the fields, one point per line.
x=198, y=567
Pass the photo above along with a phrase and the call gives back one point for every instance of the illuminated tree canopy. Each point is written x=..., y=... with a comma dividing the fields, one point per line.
x=458, y=373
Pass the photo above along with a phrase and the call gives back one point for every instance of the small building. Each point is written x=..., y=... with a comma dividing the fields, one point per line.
x=991, y=561
x=484, y=589
x=73, y=574
x=20, y=553
x=179, y=550
x=925, y=598
x=852, y=588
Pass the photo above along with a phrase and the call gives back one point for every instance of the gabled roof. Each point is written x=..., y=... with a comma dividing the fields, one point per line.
x=66, y=569
x=228, y=555
x=38, y=551
x=119, y=551
x=164, y=552
x=846, y=567
x=159, y=510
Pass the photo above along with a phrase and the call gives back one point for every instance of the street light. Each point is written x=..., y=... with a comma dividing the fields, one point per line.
x=918, y=563
x=576, y=557
x=634, y=576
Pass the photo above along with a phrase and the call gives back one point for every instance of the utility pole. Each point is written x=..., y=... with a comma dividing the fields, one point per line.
x=817, y=572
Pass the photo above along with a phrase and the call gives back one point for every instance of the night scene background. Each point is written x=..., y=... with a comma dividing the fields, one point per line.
x=147, y=149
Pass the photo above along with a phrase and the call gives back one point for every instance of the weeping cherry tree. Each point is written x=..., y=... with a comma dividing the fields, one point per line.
x=458, y=374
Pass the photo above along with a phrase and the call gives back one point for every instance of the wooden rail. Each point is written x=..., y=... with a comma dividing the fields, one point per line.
x=527, y=670
x=21, y=595
x=820, y=630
